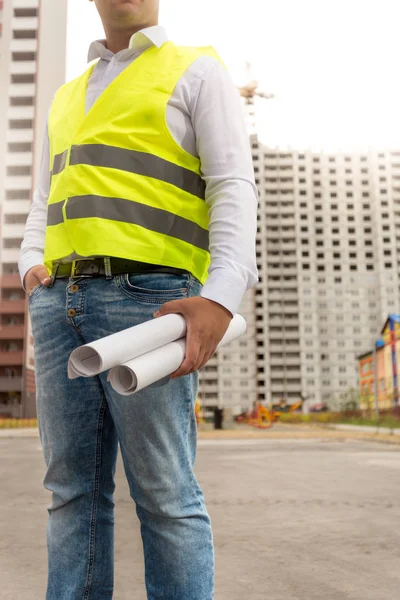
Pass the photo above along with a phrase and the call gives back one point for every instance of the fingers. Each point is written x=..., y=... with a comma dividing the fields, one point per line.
x=173, y=307
x=35, y=275
x=42, y=275
x=201, y=355
x=191, y=359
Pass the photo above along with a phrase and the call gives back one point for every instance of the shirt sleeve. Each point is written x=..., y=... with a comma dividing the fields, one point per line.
x=32, y=247
x=223, y=146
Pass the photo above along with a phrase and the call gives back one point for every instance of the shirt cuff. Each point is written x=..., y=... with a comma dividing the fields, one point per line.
x=225, y=288
x=27, y=262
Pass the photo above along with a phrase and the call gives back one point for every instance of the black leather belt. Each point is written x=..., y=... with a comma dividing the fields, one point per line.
x=108, y=266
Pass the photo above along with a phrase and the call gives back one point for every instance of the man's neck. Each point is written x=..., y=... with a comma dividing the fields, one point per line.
x=118, y=40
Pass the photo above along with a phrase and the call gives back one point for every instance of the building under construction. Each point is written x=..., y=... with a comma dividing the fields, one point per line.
x=32, y=67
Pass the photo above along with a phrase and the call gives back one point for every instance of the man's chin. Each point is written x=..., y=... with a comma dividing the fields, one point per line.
x=127, y=6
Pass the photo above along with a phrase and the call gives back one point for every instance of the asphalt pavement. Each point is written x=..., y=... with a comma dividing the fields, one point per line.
x=293, y=519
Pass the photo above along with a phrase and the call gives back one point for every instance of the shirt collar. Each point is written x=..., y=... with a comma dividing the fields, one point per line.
x=139, y=42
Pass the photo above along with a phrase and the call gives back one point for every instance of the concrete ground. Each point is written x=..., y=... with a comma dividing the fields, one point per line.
x=294, y=519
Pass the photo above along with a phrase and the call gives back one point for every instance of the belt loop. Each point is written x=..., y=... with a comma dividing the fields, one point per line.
x=54, y=273
x=107, y=267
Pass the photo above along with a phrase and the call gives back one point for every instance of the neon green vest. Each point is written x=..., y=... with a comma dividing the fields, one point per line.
x=120, y=184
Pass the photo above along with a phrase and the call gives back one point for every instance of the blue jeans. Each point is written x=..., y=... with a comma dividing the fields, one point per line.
x=81, y=422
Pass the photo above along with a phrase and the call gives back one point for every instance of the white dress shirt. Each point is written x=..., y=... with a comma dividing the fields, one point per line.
x=205, y=116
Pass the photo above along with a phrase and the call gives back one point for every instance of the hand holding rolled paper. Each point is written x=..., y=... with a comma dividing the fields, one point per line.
x=207, y=322
x=138, y=373
x=140, y=355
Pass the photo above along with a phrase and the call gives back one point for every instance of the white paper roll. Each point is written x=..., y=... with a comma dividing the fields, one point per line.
x=112, y=350
x=138, y=373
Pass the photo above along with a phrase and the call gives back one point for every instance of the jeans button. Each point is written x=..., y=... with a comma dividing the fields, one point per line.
x=74, y=288
x=71, y=312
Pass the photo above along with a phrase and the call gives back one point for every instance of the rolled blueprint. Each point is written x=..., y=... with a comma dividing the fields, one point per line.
x=112, y=350
x=139, y=372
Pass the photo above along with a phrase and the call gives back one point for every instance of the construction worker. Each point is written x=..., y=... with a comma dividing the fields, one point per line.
x=145, y=205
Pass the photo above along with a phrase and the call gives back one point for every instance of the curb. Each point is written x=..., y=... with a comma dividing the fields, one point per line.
x=371, y=429
x=27, y=432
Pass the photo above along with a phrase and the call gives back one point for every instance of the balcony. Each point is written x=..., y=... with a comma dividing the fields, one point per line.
x=12, y=332
x=282, y=362
x=283, y=336
x=280, y=346
x=11, y=359
x=12, y=307
x=288, y=387
x=10, y=282
x=16, y=207
x=20, y=135
x=26, y=23
x=280, y=322
x=13, y=231
x=10, y=255
x=208, y=389
x=281, y=372
x=19, y=159
x=282, y=271
x=23, y=45
x=21, y=89
x=10, y=384
x=21, y=112
x=19, y=182
x=23, y=66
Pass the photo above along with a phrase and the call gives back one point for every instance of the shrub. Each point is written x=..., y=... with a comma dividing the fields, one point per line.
x=17, y=423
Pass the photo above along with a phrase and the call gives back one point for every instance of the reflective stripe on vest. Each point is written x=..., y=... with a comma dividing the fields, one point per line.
x=141, y=163
x=128, y=211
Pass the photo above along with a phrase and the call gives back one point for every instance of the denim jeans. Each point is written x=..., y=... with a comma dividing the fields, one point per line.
x=81, y=422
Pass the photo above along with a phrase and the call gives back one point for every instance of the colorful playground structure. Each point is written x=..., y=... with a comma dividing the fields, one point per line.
x=378, y=369
x=262, y=417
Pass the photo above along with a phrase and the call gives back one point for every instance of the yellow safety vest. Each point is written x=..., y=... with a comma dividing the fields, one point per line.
x=120, y=184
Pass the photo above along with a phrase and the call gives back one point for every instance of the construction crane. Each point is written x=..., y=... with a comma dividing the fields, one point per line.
x=250, y=90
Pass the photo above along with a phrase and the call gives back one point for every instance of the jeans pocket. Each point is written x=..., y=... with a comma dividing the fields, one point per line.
x=153, y=288
x=34, y=291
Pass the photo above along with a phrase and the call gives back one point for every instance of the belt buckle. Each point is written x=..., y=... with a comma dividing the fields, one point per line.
x=73, y=269
x=74, y=274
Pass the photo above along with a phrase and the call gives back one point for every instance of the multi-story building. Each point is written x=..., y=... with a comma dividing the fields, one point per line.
x=32, y=66
x=328, y=251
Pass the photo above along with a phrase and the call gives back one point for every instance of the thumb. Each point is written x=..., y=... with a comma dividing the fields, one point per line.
x=168, y=308
x=42, y=275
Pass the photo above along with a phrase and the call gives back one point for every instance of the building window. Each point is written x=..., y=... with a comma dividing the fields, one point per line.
x=22, y=78
x=19, y=147
x=23, y=56
x=25, y=12
x=19, y=171
x=24, y=34
x=18, y=194
x=20, y=124
x=21, y=101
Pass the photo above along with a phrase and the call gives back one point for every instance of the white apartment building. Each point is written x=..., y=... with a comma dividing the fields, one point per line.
x=328, y=244
x=32, y=67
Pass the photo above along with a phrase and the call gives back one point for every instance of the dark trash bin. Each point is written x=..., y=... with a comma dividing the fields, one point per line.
x=218, y=418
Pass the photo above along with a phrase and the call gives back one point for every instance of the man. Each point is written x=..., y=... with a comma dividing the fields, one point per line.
x=147, y=173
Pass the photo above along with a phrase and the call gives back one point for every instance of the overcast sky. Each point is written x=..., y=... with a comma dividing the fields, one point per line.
x=333, y=65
